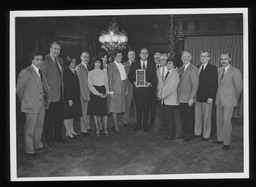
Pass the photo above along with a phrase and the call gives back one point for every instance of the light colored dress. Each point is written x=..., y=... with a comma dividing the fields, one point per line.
x=117, y=84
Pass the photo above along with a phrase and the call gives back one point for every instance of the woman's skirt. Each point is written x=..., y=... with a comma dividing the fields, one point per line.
x=97, y=106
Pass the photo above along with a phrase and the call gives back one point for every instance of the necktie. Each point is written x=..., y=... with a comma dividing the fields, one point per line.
x=166, y=76
x=41, y=74
x=222, y=74
x=143, y=66
x=163, y=78
x=44, y=92
x=56, y=63
x=181, y=71
x=202, y=69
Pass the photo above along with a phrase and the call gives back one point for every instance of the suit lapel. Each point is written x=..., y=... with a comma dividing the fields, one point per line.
x=36, y=77
x=226, y=74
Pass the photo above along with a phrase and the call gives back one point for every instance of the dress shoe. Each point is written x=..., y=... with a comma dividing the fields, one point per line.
x=32, y=154
x=187, y=139
x=137, y=129
x=71, y=138
x=168, y=138
x=197, y=136
x=225, y=147
x=179, y=137
x=126, y=125
x=62, y=140
x=218, y=142
x=85, y=133
x=50, y=144
x=41, y=149
x=205, y=139
x=145, y=129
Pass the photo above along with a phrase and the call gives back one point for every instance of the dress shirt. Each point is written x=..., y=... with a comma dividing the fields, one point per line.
x=145, y=63
x=185, y=66
x=122, y=71
x=84, y=64
x=165, y=70
x=37, y=70
x=203, y=66
x=73, y=70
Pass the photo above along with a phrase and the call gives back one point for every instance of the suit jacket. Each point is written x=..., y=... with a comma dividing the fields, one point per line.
x=71, y=86
x=82, y=73
x=229, y=88
x=188, y=85
x=129, y=85
x=150, y=73
x=54, y=80
x=114, y=78
x=208, y=83
x=30, y=90
x=168, y=88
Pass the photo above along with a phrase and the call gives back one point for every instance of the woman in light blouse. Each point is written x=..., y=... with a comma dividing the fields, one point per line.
x=98, y=85
x=117, y=84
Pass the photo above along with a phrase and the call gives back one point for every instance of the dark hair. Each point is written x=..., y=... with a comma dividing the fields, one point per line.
x=95, y=59
x=68, y=60
x=172, y=60
x=115, y=52
x=226, y=53
x=34, y=54
x=54, y=42
x=143, y=48
x=102, y=54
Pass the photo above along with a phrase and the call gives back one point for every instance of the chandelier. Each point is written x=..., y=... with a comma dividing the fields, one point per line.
x=112, y=38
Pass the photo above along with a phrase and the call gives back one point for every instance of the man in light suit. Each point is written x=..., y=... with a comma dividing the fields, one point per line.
x=53, y=70
x=230, y=86
x=167, y=93
x=82, y=73
x=32, y=91
x=206, y=93
x=142, y=94
x=129, y=94
x=189, y=78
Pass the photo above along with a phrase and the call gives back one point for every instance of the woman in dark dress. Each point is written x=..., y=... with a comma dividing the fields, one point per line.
x=72, y=106
x=98, y=85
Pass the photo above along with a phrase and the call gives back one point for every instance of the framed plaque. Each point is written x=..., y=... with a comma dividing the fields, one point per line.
x=141, y=77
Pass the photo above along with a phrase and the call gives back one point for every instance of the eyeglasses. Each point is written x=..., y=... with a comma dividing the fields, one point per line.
x=163, y=59
x=204, y=56
x=144, y=53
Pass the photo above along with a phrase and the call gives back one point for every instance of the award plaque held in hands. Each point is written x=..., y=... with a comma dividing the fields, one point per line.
x=141, y=78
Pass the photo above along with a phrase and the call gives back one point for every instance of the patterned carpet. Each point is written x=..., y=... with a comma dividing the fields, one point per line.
x=131, y=154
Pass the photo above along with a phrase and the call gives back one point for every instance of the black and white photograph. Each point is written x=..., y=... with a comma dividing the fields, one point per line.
x=77, y=112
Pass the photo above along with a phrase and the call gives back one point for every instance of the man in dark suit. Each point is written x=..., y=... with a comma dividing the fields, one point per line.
x=142, y=94
x=206, y=93
x=53, y=71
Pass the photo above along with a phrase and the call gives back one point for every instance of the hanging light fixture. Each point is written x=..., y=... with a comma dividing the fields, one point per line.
x=112, y=38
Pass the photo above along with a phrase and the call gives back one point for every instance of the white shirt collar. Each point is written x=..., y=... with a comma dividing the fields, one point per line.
x=186, y=65
x=84, y=64
x=204, y=65
x=226, y=68
x=36, y=69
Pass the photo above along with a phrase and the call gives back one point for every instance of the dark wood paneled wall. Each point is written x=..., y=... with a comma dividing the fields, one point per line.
x=78, y=34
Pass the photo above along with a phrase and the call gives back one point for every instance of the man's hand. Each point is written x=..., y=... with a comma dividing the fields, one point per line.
x=190, y=102
x=70, y=103
x=209, y=100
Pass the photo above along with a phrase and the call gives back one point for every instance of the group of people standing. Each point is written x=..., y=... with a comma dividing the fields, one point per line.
x=54, y=92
